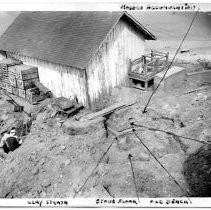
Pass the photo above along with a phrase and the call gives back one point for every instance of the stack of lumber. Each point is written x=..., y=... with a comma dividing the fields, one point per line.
x=5, y=64
x=21, y=78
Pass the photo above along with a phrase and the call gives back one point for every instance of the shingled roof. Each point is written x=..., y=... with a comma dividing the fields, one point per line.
x=67, y=38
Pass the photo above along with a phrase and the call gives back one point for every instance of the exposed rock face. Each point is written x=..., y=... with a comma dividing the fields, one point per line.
x=197, y=171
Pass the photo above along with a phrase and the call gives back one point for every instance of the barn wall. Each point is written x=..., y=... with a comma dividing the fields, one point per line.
x=61, y=80
x=109, y=67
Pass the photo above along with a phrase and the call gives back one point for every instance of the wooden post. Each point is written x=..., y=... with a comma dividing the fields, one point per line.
x=145, y=66
x=156, y=65
x=145, y=85
x=152, y=55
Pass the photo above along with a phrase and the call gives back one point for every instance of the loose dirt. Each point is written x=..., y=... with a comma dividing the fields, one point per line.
x=57, y=157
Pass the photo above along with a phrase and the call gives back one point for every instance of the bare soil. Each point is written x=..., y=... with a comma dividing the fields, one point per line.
x=55, y=162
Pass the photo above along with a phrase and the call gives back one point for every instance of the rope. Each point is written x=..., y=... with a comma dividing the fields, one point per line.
x=86, y=180
x=144, y=111
x=177, y=183
x=170, y=133
x=134, y=179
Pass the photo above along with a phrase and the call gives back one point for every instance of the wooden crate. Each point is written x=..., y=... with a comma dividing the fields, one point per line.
x=34, y=95
x=12, y=80
x=29, y=76
x=21, y=93
x=12, y=70
x=4, y=85
x=26, y=84
x=15, y=91
x=5, y=79
x=8, y=88
x=24, y=72
x=31, y=93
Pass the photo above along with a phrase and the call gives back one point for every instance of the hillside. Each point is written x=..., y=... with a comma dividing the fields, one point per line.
x=58, y=155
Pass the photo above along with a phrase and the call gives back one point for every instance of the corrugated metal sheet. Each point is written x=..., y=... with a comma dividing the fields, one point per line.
x=67, y=38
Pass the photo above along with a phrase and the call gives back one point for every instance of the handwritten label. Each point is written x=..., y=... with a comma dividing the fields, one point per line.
x=49, y=202
x=170, y=201
x=160, y=7
x=116, y=201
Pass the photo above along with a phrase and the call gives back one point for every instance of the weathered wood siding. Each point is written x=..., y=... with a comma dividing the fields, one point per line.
x=61, y=80
x=109, y=67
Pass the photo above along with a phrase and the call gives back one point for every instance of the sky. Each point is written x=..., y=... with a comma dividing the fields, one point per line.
x=202, y=27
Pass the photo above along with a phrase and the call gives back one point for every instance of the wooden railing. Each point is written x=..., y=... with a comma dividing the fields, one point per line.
x=151, y=63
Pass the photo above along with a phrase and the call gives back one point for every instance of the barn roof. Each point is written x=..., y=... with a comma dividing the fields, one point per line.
x=67, y=38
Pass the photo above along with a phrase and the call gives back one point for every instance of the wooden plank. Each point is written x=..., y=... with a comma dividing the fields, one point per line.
x=21, y=93
x=146, y=78
x=9, y=88
x=138, y=87
x=136, y=76
x=15, y=91
x=105, y=111
x=137, y=60
x=26, y=84
x=108, y=110
x=12, y=80
x=75, y=110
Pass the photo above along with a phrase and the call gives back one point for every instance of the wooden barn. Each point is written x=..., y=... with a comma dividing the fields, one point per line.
x=82, y=54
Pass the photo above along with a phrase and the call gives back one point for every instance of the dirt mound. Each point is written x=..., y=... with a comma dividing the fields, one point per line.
x=197, y=171
x=59, y=153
